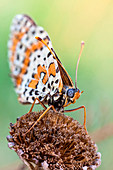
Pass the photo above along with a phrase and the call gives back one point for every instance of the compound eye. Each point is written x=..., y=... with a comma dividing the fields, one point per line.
x=70, y=93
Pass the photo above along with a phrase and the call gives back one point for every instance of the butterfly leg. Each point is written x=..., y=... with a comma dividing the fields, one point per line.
x=40, y=118
x=72, y=110
x=34, y=103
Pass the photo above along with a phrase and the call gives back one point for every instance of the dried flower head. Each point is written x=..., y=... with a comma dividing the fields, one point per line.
x=56, y=142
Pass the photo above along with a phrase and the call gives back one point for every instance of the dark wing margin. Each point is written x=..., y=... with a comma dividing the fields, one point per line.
x=64, y=75
x=30, y=19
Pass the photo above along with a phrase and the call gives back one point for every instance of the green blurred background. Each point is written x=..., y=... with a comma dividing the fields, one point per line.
x=67, y=23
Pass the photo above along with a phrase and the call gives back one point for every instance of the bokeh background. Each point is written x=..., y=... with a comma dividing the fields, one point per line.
x=67, y=23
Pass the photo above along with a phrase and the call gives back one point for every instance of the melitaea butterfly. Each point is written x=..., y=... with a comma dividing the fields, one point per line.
x=37, y=73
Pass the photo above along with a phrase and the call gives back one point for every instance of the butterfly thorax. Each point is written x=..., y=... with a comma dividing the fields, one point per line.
x=62, y=99
x=57, y=100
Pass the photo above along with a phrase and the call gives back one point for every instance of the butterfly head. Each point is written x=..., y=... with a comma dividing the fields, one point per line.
x=72, y=94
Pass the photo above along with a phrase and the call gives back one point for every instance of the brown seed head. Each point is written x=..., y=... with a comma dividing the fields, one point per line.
x=56, y=142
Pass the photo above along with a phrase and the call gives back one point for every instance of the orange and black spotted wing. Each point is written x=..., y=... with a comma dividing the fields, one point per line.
x=35, y=72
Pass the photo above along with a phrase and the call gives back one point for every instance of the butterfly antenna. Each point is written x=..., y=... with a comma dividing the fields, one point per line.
x=38, y=38
x=82, y=46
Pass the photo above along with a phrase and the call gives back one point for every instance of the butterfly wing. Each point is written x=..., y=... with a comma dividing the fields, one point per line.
x=34, y=70
x=66, y=79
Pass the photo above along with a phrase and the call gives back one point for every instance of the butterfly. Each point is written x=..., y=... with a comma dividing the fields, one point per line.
x=37, y=73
